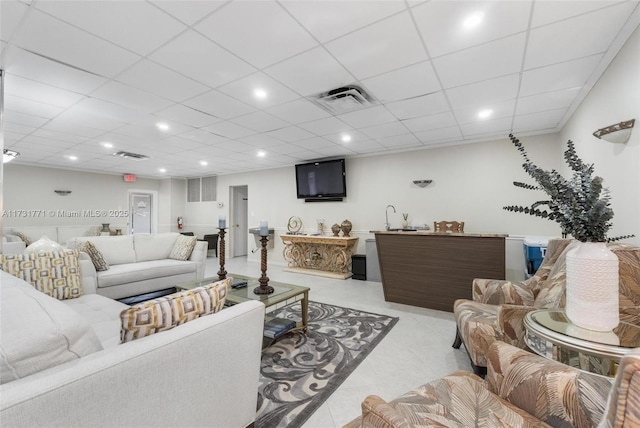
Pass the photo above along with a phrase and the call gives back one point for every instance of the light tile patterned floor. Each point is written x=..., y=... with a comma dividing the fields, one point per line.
x=417, y=350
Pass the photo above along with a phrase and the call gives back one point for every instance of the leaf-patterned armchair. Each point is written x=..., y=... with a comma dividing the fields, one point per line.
x=498, y=307
x=521, y=390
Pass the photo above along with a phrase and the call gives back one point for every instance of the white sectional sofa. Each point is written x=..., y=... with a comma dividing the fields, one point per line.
x=139, y=264
x=201, y=373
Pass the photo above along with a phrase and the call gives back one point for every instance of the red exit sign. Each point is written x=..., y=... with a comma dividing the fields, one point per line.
x=129, y=178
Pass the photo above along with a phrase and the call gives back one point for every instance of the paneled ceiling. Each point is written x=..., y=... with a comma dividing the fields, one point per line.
x=234, y=82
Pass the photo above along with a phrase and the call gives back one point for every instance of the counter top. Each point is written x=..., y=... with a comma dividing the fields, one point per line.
x=431, y=233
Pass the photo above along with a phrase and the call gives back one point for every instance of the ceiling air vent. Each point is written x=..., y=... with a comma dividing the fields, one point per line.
x=343, y=100
x=129, y=155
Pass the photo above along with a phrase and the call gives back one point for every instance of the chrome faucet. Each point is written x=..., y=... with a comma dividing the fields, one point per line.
x=387, y=226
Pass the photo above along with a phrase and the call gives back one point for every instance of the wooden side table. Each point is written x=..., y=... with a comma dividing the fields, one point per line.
x=551, y=335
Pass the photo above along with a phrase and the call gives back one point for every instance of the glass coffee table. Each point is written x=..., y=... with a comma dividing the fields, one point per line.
x=551, y=335
x=283, y=295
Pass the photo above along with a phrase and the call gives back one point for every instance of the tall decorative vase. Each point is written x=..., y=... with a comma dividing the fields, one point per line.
x=592, y=287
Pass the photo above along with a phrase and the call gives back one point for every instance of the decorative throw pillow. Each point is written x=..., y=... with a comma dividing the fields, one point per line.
x=183, y=247
x=24, y=238
x=55, y=273
x=43, y=244
x=96, y=256
x=164, y=313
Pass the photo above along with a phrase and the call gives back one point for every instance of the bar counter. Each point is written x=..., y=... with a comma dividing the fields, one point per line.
x=432, y=270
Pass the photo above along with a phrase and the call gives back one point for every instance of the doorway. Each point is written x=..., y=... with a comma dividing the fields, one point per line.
x=143, y=212
x=239, y=198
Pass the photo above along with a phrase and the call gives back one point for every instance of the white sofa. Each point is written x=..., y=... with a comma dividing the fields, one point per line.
x=139, y=264
x=201, y=373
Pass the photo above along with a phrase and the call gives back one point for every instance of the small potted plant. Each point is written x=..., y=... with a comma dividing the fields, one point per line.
x=581, y=206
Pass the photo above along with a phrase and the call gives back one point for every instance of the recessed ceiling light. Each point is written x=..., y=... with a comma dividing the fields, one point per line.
x=72, y=157
x=260, y=93
x=204, y=163
x=163, y=170
x=261, y=153
x=346, y=138
x=484, y=114
x=473, y=20
x=107, y=144
x=162, y=126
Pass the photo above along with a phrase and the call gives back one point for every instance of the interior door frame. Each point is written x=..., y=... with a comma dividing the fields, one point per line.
x=239, y=214
x=154, y=208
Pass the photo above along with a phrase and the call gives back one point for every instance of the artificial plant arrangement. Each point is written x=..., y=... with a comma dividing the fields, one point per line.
x=580, y=205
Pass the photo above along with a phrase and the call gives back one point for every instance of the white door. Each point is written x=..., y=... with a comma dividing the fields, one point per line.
x=143, y=212
x=239, y=219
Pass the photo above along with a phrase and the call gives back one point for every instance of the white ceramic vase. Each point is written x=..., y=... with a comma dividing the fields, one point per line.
x=592, y=287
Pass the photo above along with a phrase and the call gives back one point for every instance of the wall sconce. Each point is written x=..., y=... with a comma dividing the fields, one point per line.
x=422, y=183
x=9, y=155
x=618, y=133
x=63, y=192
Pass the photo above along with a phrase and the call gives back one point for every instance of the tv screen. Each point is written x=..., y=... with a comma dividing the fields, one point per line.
x=324, y=179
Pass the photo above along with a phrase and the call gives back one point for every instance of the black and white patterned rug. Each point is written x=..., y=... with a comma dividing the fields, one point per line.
x=301, y=370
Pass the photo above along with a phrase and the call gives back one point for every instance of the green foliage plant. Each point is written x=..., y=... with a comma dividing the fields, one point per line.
x=579, y=204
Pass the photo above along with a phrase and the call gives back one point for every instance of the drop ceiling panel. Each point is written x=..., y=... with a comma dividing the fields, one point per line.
x=137, y=26
x=434, y=121
x=127, y=96
x=482, y=94
x=368, y=117
x=290, y=134
x=187, y=11
x=298, y=111
x=297, y=74
x=330, y=19
x=244, y=90
x=549, y=101
x=261, y=33
x=229, y=130
x=25, y=88
x=565, y=75
x=499, y=109
x=366, y=146
x=21, y=63
x=407, y=82
x=400, y=141
x=499, y=58
x=329, y=125
x=488, y=126
x=11, y=12
x=203, y=136
x=439, y=135
x=184, y=54
x=187, y=115
x=219, y=104
x=442, y=23
x=24, y=119
x=315, y=143
x=419, y=106
x=386, y=130
x=23, y=105
x=161, y=81
x=260, y=141
x=590, y=34
x=546, y=12
x=361, y=50
x=72, y=46
x=548, y=119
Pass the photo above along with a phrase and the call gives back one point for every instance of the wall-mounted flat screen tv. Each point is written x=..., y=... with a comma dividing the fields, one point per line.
x=321, y=180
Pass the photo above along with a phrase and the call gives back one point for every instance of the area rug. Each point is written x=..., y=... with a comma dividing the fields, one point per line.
x=301, y=370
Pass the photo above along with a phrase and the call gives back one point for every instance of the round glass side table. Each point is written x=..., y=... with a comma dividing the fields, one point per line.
x=549, y=333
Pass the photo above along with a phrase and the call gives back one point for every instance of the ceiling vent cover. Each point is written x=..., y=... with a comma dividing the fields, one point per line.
x=129, y=155
x=343, y=100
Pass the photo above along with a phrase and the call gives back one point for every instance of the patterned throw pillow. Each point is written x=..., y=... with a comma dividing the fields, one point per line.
x=183, y=247
x=55, y=273
x=164, y=313
x=96, y=256
x=24, y=238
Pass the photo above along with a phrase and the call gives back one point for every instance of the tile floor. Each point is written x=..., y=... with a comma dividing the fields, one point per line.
x=417, y=350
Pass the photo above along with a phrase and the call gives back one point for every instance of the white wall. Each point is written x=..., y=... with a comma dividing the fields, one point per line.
x=615, y=98
x=471, y=183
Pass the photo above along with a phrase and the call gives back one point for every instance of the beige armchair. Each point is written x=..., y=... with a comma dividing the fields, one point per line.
x=498, y=307
x=521, y=390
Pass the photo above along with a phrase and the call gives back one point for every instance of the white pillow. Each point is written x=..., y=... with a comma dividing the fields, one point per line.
x=37, y=331
x=43, y=244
